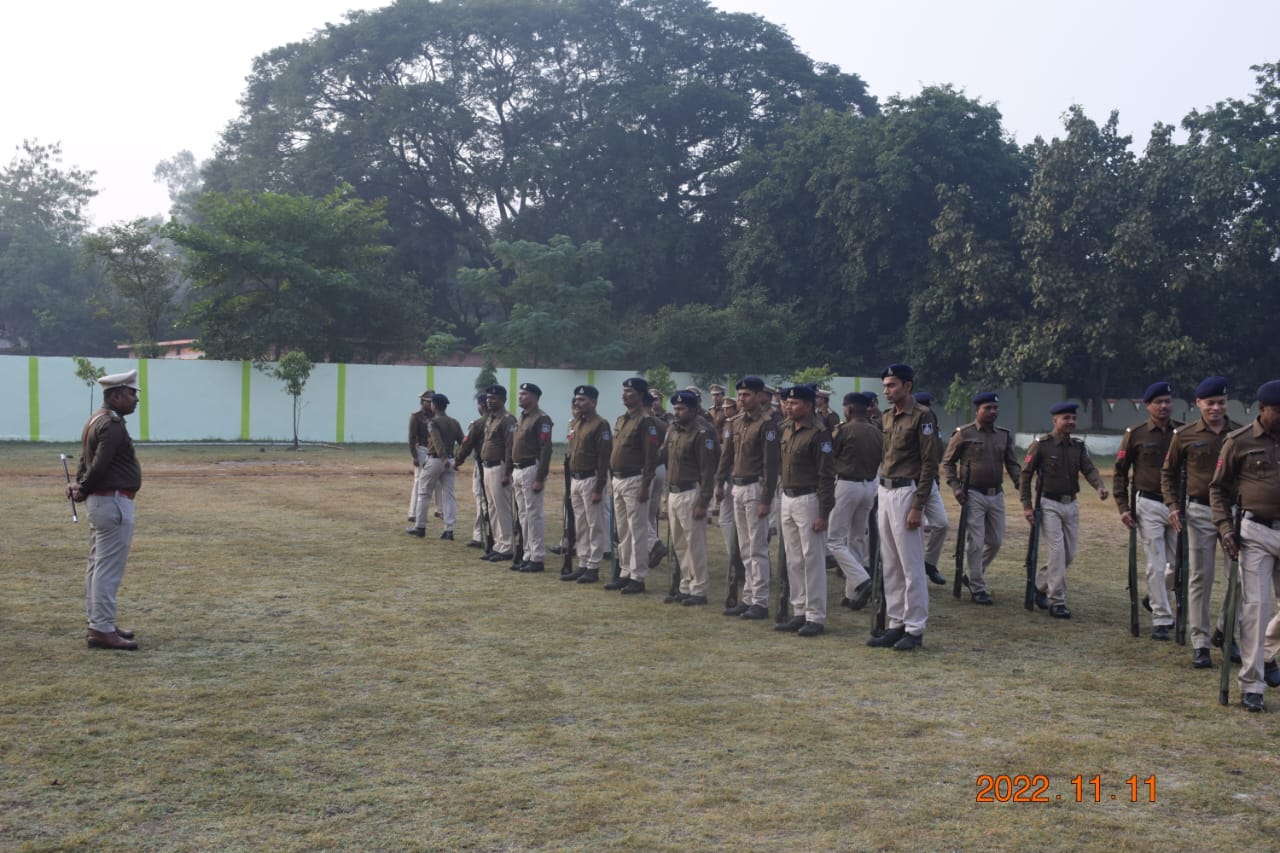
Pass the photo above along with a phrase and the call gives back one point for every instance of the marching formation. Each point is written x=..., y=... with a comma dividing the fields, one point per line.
x=860, y=495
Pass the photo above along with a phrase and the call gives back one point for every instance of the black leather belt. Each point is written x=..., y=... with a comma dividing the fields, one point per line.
x=627, y=472
x=800, y=492
x=1151, y=496
x=1195, y=500
x=745, y=481
x=991, y=493
x=1062, y=499
x=682, y=487
x=896, y=482
x=527, y=463
x=1274, y=524
x=491, y=464
x=855, y=479
x=588, y=476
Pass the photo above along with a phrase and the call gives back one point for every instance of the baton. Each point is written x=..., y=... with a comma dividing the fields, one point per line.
x=67, y=471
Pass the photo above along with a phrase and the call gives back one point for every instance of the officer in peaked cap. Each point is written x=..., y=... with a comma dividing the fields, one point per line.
x=632, y=462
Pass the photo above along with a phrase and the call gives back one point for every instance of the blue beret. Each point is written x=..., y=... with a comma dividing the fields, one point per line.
x=924, y=398
x=1214, y=386
x=530, y=388
x=1269, y=393
x=800, y=392
x=497, y=391
x=859, y=398
x=900, y=371
x=684, y=398
x=439, y=400
x=750, y=383
x=1157, y=389
x=587, y=391
x=1063, y=408
x=983, y=397
x=637, y=384
x=482, y=397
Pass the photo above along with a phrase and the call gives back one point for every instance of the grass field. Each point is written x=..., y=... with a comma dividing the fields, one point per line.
x=311, y=678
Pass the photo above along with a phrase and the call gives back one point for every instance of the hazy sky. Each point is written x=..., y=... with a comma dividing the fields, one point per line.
x=125, y=85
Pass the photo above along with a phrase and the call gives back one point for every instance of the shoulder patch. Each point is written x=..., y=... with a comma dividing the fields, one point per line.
x=711, y=445
x=927, y=429
x=607, y=436
x=826, y=447
x=770, y=435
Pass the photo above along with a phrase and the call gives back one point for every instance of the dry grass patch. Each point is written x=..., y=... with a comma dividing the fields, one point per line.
x=310, y=677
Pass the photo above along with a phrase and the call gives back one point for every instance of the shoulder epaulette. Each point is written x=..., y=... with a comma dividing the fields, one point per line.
x=1240, y=431
x=1079, y=441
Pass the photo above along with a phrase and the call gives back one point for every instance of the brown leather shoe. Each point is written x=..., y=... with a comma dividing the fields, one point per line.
x=128, y=635
x=113, y=640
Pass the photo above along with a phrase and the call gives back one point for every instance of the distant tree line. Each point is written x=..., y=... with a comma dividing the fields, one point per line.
x=655, y=182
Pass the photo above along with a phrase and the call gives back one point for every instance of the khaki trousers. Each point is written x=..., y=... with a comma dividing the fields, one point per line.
x=529, y=506
x=935, y=526
x=689, y=538
x=906, y=591
x=590, y=526
x=1259, y=580
x=111, y=523
x=847, y=533
x=806, y=557
x=657, y=488
x=983, y=537
x=477, y=492
x=753, y=542
x=631, y=515
x=1202, y=544
x=499, y=509
x=1159, y=546
x=1059, y=531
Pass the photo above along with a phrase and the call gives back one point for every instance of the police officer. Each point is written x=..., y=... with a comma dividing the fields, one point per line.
x=658, y=548
x=495, y=453
x=690, y=453
x=1060, y=458
x=749, y=457
x=1143, y=450
x=436, y=468
x=717, y=411
x=857, y=447
x=471, y=444
x=528, y=465
x=1187, y=470
x=1248, y=471
x=936, y=522
x=418, y=420
x=107, y=480
x=590, y=446
x=829, y=418
x=808, y=496
x=977, y=458
x=632, y=463
x=908, y=471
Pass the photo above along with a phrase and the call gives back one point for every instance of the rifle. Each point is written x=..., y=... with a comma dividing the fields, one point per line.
x=613, y=539
x=1229, y=617
x=1033, y=545
x=962, y=535
x=67, y=473
x=879, y=612
x=486, y=522
x=517, y=540
x=1133, y=560
x=737, y=568
x=570, y=523
x=675, y=558
x=784, y=578
x=1181, y=569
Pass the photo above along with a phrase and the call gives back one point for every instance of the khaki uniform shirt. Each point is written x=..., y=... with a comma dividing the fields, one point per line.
x=475, y=437
x=107, y=458
x=750, y=449
x=875, y=418
x=1061, y=461
x=418, y=432
x=1247, y=468
x=531, y=443
x=807, y=461
x=858, y=447
x=496, y=447
x=829, y=419
x=910, y=437
x=635, y=446
x=718, y=416
x=981, y=454
x=590, y=446
x=1143, y=449
x=1197, y=447
x=691, y=456
x=444, y=434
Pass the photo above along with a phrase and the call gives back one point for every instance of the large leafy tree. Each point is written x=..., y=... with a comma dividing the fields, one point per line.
x=272, y=272
x=143, y=278
x=597, y=119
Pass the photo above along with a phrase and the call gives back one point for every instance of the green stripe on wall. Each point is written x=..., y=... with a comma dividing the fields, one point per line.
x=246, y=369
x=431, y=376
x=857, y=383
x=591, y=377
x=144, y=410
x=511, y=384
x=33, y=398
x=342, y=403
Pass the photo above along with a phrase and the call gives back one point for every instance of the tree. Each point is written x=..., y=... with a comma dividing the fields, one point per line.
x=293, y=369
x=182, y=177
x=88, y=373
x=144, y=279
x=272, y=273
